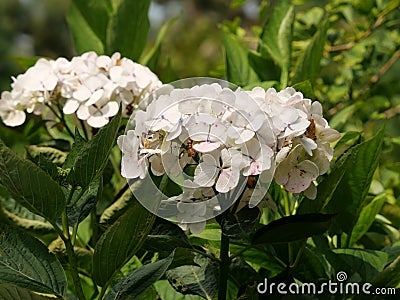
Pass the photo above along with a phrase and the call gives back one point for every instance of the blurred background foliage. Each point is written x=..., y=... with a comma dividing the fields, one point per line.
x=357, y=82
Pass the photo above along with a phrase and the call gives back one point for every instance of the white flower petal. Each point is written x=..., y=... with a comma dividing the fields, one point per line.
x=71, y=106
x=97, y=122
x=227, y=180
x=82, y=93
x=205, y=147
x=15, y=118
x=96, y=96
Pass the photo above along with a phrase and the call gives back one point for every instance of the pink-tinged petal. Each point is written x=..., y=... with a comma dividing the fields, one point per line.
x=205, y=147
x=227, y=180
x=15, y=118
x=82, y=93
x=255, y=168
x=301, y=176
x=96, y=96
x=70, y=106
x=97, y=122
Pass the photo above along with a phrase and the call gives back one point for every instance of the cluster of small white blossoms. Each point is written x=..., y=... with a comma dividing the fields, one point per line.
x=89, y=85
x=224, y=135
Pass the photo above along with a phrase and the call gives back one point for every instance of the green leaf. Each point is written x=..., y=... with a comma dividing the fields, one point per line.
x=151, y=58
x=265, y=68
x=306, y=88
x=13, y=212
x=366, y=263
x=343, y=116
x=199, y=280
x=80, y=17
x=367, y=217
x=308, y=64
x=166, y=291
x=241, y=273
x=120, y=242
x=128, y=28
x=238, y=67
x=25, y=62
x=276, y=38
x=30, y=185
x=326, y=188
x=292, y=228
x=115, y=210
x=93, y=158
x=390, y=276
x=157, y=243
x=52, y=154
x=81, y=209
x=240, y=224
x=140, y=279
x=349, y=197
x=12, y=292
x=96, y=14
x=26, y=262
x=76, y=150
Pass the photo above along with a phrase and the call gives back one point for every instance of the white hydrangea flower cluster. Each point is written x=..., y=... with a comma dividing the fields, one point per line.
x=89, y=85
x=226, y=134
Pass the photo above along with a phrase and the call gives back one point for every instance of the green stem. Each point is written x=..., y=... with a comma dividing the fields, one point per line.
x=290, y=254
x=62, y=118
x=84, y=129
x=240, y=252
x=71, y=257
x=102, y=292
x=286, y=201
x=299, y=254
x=224, y=267
x=205, y=255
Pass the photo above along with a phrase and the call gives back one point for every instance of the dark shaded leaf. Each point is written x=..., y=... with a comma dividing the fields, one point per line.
x=128, y=28
x=199, y=280
x=81, y=209
x=83, y=32
x=93, y=157
x=349, y=197
x=52, y=154
x=30, y=185
x=26, y=262
x=12, y=292
x=120, y=242
x=308, y=64
x=140, y=279
x=293, y=228
x=276, y=38
x=238, y=68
